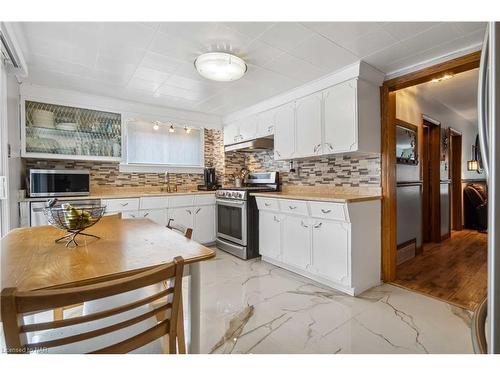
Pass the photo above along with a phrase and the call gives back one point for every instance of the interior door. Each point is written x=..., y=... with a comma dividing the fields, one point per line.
x=308, y=126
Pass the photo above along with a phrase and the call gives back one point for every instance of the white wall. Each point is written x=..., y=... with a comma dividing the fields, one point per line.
x=14, y=163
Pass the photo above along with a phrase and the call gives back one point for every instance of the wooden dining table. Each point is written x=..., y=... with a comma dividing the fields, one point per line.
x=31, y=259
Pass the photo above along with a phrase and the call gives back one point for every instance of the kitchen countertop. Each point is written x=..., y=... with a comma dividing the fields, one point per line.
x=323, y=197
x=119, y=195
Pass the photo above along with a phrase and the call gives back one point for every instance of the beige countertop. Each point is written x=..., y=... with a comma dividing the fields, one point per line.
x=120, y=195
x=320, y=196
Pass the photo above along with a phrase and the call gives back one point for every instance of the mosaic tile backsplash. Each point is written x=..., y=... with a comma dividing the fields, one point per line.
x=352, y=170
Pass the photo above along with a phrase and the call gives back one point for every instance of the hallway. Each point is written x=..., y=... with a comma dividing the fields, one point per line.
x=454, y=270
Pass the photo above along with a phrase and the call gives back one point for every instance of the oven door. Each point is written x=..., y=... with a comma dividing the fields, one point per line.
x=232, y=220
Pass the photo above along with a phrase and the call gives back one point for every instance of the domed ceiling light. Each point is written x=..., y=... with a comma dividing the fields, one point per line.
x=220, y=66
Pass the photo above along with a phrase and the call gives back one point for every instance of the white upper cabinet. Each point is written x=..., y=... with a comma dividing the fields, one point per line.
x=284, y=132
x=248, y=129
x=308, y=126
x=266, y=123
x=231, y=134
x=340, y=118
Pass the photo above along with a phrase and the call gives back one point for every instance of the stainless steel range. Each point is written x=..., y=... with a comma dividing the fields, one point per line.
x=238, y=216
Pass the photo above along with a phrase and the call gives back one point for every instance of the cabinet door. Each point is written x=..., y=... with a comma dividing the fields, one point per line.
x=231, y=134
x=270, y=235
x=248, y=129
x=204, y=224
x=330, y=250
x=340, y=111
x=266, y=123
x=308, y=120
x=158, y=216
x=181, y=215
x=297, y=241
x=284, y=132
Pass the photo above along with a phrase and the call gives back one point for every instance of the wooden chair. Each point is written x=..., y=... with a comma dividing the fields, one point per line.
x=59, y=312
x=88, y=333
x=186, y=232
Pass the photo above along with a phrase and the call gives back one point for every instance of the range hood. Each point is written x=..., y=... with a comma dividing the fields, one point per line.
x=258, y=144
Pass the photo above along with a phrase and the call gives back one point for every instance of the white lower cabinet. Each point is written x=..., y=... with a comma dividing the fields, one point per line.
x=181, y=215
x=330, y=250
x=269, y=235
x=158, y=216
x=204, y=224
x=297, y=241
x=335, y=244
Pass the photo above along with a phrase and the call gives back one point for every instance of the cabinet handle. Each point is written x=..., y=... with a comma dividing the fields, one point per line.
x=267, y=204
x=277, y=152
x=276, y=219
x=292, y=207
x=124, y=204
x=188, y=211
x=198, y=210
x=329, y=146
x=146, y=214
x=316, y=148
x=303, y=225
x=318, y=225
x=132, y=215
x=326, y=211
x=270, y=129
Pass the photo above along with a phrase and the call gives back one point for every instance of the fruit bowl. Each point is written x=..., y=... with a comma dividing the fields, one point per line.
x=74, y=218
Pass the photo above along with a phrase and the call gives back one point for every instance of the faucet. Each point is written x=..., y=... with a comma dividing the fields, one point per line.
x=166, y=181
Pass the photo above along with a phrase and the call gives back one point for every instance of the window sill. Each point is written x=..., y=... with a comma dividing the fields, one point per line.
x=152, y=168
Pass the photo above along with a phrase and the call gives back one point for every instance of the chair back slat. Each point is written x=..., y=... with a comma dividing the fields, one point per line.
x=185, y=231
x=165, y=303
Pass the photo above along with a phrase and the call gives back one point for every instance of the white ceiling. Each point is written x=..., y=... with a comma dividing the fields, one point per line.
x=458, y=93
x=153, y=62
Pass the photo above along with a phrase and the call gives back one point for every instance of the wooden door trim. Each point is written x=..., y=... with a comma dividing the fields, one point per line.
x=456, y=180
x=388, y=148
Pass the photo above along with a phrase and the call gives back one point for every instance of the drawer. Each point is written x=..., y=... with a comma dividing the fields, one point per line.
x=181, y=200
x=148, y=203
x=120, y=205
x=131, y=215
x=269, y=204
x=204, y=199
x=326, y=210
x=291, y=206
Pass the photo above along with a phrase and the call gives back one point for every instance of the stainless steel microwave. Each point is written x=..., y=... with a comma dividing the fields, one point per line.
x=58, y=182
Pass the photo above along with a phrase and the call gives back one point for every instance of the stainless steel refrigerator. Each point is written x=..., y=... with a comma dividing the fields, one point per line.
x=489, y=136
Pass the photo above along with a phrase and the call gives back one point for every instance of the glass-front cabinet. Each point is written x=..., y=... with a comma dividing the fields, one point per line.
x=63, y=132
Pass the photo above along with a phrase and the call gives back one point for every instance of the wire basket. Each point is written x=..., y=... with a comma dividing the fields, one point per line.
x=74, y=219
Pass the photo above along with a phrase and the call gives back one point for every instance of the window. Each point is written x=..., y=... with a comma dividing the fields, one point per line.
x=149, y=146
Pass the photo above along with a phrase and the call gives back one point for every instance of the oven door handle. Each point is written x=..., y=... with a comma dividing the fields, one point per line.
x=227, y=202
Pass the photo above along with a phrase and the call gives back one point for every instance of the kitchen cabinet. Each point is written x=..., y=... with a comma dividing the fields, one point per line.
x=120, y=205
x=181, y=215
x=53, y=131
x=159, y=216
x=340, y=118
x=330, y=250
x=284, y=132
x=231, y=134
x=336, y=244
x=296, y=241
x=266, y=123
x=204, y=224
x=308, y=126
x=269, y=234
x=248, y=129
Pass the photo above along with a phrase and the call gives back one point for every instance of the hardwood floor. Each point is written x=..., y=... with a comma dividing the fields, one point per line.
x=454, y=270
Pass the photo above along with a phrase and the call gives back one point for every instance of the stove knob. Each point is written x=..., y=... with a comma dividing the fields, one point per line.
x=235, y=194
x=240, y=195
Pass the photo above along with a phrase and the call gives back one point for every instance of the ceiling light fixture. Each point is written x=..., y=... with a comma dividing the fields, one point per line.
x=156, y=126
x=187, y=129
x=171, y=129
x=220, y=66
x=443, y=78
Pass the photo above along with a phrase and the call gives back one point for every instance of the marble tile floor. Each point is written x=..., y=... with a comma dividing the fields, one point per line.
x=255, y=307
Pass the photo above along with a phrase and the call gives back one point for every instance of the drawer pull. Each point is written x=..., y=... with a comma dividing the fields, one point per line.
x=303, y=225
x=146, y=214
x=318, y=225
x=198, y=210
x=267, y=204
x=277, y=153
x=276, y=219
x=270, y=129
x=326, y=211
x=292, y=207
x=188, y=211
x=124, y=204
x=316, y=148
x=329, y=146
